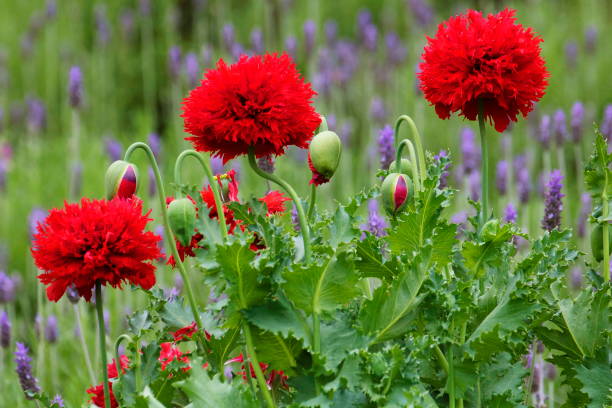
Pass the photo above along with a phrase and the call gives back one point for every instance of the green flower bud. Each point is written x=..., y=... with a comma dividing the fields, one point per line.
x=182, y=216
x=489, y=230
x=406, y=167
x=597, y=241
x=395, y=191
x=121, y=179
x=324, y=156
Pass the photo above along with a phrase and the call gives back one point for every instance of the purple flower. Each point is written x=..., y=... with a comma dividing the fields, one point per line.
x=228, y=36
x=470, y=151
x=310, y=31
x=606, y=124
x=544, y=134
x=364, y=18
x=29, y=384
x=127, y=23
x=396, y=52
x=331, y=31
x=159, y=231
x=501, y=177
x=216, y=165
x=590, y=39
x=106, y=318
x=422, y=12
x=174, y=61
x=101, y=22
x=5, y=330
x=510, y=214
x=257, y=41
x=152, y=190
x=376, y=224
x=370, y=37
x=295, y=220
x=207, y=54
x=37, y=215
x=553, y=205
x=474, y=185
x=461, y=220
x=331, y=121
x=192, y=69
x=266, y=163
x=50, y=9
x=571, y=54
x=559, y=127
x=444, y=176
x=386, y=147
x=57, y=400
x=377, y=109
x=154, y=143
x=291, y=46
x=51, y=330
x=523, y=184
x=237, y=51
x=576, y=278
x=576, y=121
x=585, y=211
x=75, y=87
x=346, y=132
x=113, y=149
x=37, y=115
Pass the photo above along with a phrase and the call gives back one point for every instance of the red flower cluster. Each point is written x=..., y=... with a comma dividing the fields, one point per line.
x=97, y=392
x=260, y=102
x=169, y=353
x=187, y=332
x=274, y=200
x=491, y=59
x=274, y=377
x=99, y=240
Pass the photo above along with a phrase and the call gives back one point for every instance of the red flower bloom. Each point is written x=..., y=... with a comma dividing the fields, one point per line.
x=492, y=59
x=169, y=353
x=260, y=102
x=97, y=391
x=98, y=240
x=275, y=201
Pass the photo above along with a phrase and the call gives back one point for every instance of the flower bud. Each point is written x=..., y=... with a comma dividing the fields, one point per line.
x=395, y=192
x=405, y=167
x=324, y=156
x=597, y=241
x=121, y=179
x=182, y=216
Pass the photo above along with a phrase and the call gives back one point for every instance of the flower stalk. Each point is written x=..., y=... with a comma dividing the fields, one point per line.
x=261, y=380
x=413, y=162
x=484, y=214
x=417, y=141
x=102, y=342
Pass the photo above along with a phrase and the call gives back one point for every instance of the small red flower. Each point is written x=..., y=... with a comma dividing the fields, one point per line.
x=169, y=353
x=97, y=391
x=492, y=59
x=188, y=331
x=275, y=378
x=275, y=201
x=98, y=240
x=260, y=102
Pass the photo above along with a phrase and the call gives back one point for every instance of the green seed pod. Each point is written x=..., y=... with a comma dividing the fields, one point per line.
x=121, y=179
x=489, y=230
x=597, y=241
x=406, y=167
x=324, y=154
x=182, y=216
x=395, y=191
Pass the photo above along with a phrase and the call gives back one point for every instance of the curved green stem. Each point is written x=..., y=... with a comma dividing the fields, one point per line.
x=417, y=140
x=413, y=164
x=167, y=230
x=451, y=378
x=485, y=164
x=212, y=180
x=102, y=342
x=261, y=380
x=305, y=229
x=313, y=200
x=441, y=359
x=117, y=355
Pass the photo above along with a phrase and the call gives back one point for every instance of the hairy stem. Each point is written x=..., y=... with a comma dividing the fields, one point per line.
x=117, y=355
x=313, y=200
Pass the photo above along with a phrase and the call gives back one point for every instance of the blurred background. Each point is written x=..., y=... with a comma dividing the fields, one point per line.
x=81, y=80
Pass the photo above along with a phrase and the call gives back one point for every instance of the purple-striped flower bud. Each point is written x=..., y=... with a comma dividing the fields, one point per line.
x=377, y=110
x=192, y=69
x=331, y=31
x=553, y=204
x=5, y=330
x=544, y=134
x=606, y=123
x=395, y=191
x=174, y=62
x=310, y=31
x=571, y=54
x=291, y=46
x=590, y=39
x=577, y=121
x=113, y=149
x=75, y=87
x=51, y=329
x=470, y=151
x=501, y=177
x=228, y=36
x=385, y=146
x=121, y=179
x=422, y=12
x=28, y=382
x=559, y=127
x=396, y=52
x=257, y=41
x=266, y=163
x=376, y=224
x=510, y=214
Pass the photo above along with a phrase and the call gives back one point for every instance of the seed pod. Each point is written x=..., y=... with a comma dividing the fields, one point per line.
x=489, y=230
x=597, y=241
x=182, y=215
x=395, y=192
x=324, y=156
x=405, y=167
x=121, y=179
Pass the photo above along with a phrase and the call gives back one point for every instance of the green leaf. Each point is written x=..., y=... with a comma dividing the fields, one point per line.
x=206, y=392
x=324, y=285
x=480, y=254
x=338, y=339
x=341, y=229
x=139, y=322
x=596, y=377
x=389, y=313
x=279, y=317
x=371, y=263
x=280, y=353
x=176, y=315
x=597, y=170
x=503, y=378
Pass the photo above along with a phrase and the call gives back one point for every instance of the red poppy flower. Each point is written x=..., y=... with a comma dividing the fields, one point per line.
x=275, y=201
x=98, y=240
x=260, y=102
x=169, y=353
x=492, y=59
x=97, y=391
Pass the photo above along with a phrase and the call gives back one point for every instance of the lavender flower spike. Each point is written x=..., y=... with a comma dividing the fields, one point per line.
x=544, y=134
x=29, y=383
x=7, y=288
x=174, y=61
x=585, y=211
x=443, y=183
x=154, y=143
x=553, y=204
x=376, y=224
x=113, y=149
x=310, y=32
x=576, y=121
x=377, y=109
x=559, y=127
x=75, y=87
x=36, y=216
x=385, y=146
x=501, y=177
x=5, y=330
x=257, y=41
x=57, y=401
x=51, y=330
x=192, y=69
x=470, y=151
x=606, y=123
x=510, y=214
